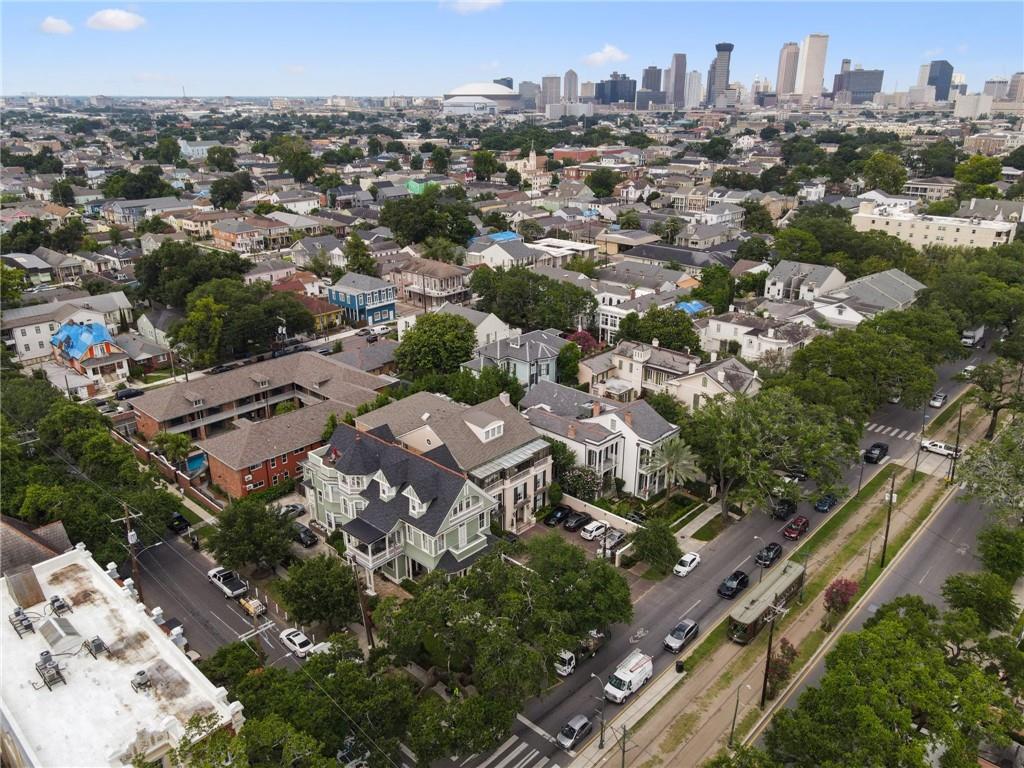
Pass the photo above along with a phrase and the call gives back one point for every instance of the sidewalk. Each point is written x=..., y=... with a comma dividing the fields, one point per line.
x=203, y=513
x=685, y=534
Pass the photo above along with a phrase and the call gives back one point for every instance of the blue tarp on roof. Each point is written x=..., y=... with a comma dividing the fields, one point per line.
x=502, y=237
x=76, y=338
x=693, y=307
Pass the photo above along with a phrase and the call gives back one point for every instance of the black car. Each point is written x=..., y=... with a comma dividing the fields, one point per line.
x=735, y=583
x=220, y=369
x=636, y=517
x=825, y=503
x=127, y=394
x=179, y=524
x=876, y=453
x=557, y=516
x=303, y=535
x=782, y=508
x=768, y=555
x=576, y=520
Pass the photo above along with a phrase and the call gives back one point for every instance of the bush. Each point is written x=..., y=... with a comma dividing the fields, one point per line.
x=554, y=494
x=337, y=540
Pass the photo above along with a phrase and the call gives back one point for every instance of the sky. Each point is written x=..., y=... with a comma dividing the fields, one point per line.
x=427, y=48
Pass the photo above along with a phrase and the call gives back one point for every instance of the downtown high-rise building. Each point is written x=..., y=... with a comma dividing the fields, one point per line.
x=617, y=88
x=571, y=86
x=718, y=72
x=675, y=81
x=550, y=91
x=940, y=75
x=694, y=89
x=529, y=94
x=997, y=88
x=922, y=75
x=785, y=81
x=1015, y=92
x=651, y=79
x=810, y=67
x=587, y=89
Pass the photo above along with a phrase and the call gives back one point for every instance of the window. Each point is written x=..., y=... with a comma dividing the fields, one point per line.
x=42, y=345
x=24, y=332
x=28, y=347
x=273, y=462
x=284, y=458
x=254, y=467
x=273, y=480
x=37, y=330
x=285, y=474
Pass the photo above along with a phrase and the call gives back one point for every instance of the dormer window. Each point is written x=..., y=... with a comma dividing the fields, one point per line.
x=198, y=403
x=387, y=492
x=416, y=508
x=493, y=432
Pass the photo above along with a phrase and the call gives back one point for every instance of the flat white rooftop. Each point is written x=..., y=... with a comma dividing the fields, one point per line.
x=96, y=718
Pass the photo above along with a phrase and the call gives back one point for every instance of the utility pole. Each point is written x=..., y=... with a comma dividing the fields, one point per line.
x=362, y=604
x=132, y=538
x=867, y=565
x=917, y=454
x=625, y=738
x=956, y=448
x=888, y=516
x=768, y=657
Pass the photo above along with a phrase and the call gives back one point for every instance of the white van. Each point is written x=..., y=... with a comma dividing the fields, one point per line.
x=635, y=670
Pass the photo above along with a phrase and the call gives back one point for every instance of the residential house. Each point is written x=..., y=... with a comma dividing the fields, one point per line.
x=632, y=369
x=131, y=212
x=37, y=271
x=364, y=299
x=922, y=230
x=401, y=514
x=610, y=315
x=488, y=326
x=196, y=150
x=89, y=349
x=530, y=357
x=616, y=241
x=155, y=324
x=683, y=259
x=931, y=189
x=301, y=283
x=721, y=213
x=1011, y=211
x=430, y=284
x=491, y=442
x=211, y=403
x=796, y=280
x=703, y=382
x=326, y=316
x=505, y=254
x=66, y=268
x=752, y=337
x=142, y=352
x=329, y=247
x=616, y=440
x=369, y=354
x=240, y=236
x=150, y=242
x=270, y=271
x=199, y=224
x=297, y=200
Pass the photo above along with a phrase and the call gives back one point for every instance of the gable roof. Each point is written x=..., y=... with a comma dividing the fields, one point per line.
x=75, y=339
x=23, y=546
x=535, y=345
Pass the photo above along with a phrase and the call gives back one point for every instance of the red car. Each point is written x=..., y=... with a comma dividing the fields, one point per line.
x=797, y=527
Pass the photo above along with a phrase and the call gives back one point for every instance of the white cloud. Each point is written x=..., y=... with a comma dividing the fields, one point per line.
x=51, y=25
x=295, y=69
x=465, y=7
x=607, y=55
x=115, y=20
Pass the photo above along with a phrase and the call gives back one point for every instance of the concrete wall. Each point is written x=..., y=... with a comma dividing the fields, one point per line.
x=599, y=514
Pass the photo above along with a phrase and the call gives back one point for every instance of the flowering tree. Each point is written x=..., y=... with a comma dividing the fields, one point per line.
x=581, y=482
x=838, y=596
x=585, y=341
x=780, y=666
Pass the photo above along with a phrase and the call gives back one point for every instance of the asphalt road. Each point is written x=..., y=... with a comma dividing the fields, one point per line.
x=531, y=744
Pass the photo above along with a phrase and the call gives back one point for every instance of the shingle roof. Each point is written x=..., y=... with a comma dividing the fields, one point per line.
x=357, y=282
x=528, y=347
x=24, y=546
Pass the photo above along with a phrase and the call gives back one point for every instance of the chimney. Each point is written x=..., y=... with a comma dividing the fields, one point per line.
x=721, y=375
x=595, y=408
x=628, y=418
x=732, y=307
x=572, y=431
x=691, y=368
x=655, y=343
x=505, y=399
x=714, y=357
x=771, y=333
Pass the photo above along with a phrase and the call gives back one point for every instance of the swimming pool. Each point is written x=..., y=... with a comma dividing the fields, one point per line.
x=196, y=463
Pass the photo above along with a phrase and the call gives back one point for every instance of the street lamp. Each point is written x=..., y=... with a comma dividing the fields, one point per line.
x=735, y=712
x=860, y=480
x=600, y=743
x=760, y=565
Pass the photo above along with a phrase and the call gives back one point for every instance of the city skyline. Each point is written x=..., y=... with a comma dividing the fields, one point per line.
x=139, y=52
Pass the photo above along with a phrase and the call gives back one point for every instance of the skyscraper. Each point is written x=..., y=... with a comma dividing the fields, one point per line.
x=675, y=81
x=838, y=79
x=550, y=91
x=858, y=85
x=1016, y=90
x=922, y=76
x=785, y=81
x=587, y=89
x=651, y=80
x=571, y=85
x=810, y=67
x=996, y=88
x=529, y=94
x=693, y=88
x=615, y=89
x=940, y=74
x=718, y=74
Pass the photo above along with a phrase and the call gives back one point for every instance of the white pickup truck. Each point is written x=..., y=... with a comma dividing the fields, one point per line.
x=943, y=449
x=228, y=582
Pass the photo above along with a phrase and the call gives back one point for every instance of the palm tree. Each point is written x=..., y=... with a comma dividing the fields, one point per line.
x=676, y=459
x=174, y=446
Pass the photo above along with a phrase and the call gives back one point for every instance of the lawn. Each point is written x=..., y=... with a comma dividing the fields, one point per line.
x=678, y=524
x=714, y=527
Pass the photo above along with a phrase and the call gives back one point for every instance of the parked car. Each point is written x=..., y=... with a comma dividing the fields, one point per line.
x=782, y=508
x=635, y=516
x=611, y=541
x=876, y=453
x=943, y=449
x=826, y=503
x=734, y=583
x=557, y=516
x=796, y=474
x=178, y=523
x=363, y=332
x=686, y=564
x=938, y=400
x=594, y=530
x=128, y=393
x=576, y=520
x=797, y=527
x=228, y=582
x=769, y=554
x=968, y=371
x=380, y=330
x=303, y=535
x=296, y=642
x=681, y=635
x=291, y=511
x=573, y=732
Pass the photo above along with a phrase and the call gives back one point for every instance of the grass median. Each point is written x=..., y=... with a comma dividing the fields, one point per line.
x=947, y=414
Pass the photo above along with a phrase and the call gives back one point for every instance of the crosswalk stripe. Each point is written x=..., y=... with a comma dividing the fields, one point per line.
x=901, y=435
x=911, y=435
x=494, y=756
x=512, y=756
x=887, y=430
x=872, y=427
x=543, y=762
x=471, y=757
x=522, y=763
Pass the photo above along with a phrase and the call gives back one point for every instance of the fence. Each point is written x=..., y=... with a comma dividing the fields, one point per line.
x=189, y=487
x=578, y=505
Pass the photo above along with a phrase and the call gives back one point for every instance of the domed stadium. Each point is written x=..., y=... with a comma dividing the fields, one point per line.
x=505, y=98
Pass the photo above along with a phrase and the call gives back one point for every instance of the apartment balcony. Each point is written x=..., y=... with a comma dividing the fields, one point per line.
x=374, y=556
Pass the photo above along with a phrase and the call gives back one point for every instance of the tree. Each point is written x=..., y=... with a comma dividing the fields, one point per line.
x=886, y=172
x=676, y=459
x=838, y=596
x=12, y=285
x=231, y=662
x=442, y=249
x=286, y=406
x=670, y=409
x=567, y=365
x=434, y=213
x=562, y=457
x=716, y=148
x=756, y=218
x=672, y=328
x=221, y=158
x=329, y=427
x=716, y=288
x=261, y=742
x=171, y=272
x=1001, y=550
x=227, y=192
x=931, y=329
x=581, y=482
x=485, y=165
x=175, y=446
x=979, y=169
x=524, y=299
x=358, y=258
x=994, y=472
x=321, y=589
x=530, y=230
x=513, y=178
x=655, y=544
x=743, y=757
x=988, y=594
x=754, y=249
x=416, y=162
x=780, y=666
x=437, y=343
x=439, y=160
x=148, y=182
x=769, y=132
x=996, y=388
x=628, y=219
x=584, y=340
x=61, y=193
x=798, y=245
x=743, y=442
x=248, y=532
x=603, y=181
